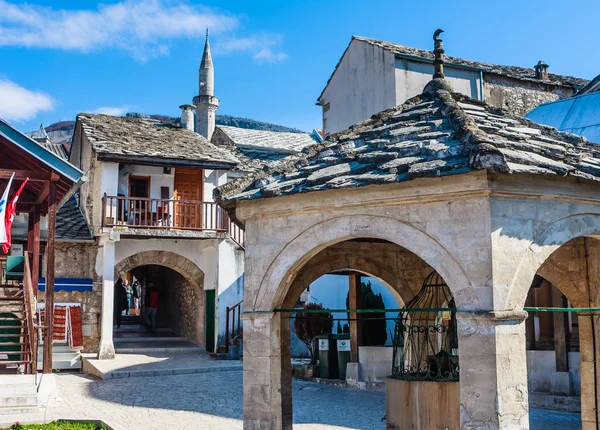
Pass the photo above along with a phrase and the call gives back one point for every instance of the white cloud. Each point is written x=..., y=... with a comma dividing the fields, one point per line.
x=112, y=110
x=264, y=47
x=20, y=104
x=267, y=54
x=142, y=27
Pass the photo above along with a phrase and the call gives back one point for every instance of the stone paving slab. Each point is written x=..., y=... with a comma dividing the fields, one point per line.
x=155, y=364
x=213, y=401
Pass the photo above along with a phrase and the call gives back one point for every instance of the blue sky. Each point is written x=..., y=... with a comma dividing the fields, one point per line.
x=272, y=58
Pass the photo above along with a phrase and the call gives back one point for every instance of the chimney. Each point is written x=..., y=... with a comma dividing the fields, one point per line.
x=187, y=116
x=541, y=70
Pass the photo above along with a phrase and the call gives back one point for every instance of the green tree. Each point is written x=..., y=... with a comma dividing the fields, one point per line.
x=374, y=326
x=308, y=325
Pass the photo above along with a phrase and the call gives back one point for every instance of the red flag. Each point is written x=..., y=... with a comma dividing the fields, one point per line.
x=11, y=208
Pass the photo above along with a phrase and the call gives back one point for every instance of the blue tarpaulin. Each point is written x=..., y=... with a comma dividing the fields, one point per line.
x=68, y=284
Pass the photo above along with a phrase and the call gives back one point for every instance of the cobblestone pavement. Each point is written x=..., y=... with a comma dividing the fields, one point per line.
x=214, y=401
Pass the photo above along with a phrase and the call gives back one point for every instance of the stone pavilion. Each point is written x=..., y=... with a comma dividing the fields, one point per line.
x=443, y=182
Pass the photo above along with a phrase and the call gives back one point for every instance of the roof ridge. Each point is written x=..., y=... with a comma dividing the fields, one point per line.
x=457, y=61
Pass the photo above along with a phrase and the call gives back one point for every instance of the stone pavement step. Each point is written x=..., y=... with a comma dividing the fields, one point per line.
x=134, y=346
x=17, y=411
x=36, y=416
x=119, y=340
x=155, y=364
x=168, y=372
x=141, y=328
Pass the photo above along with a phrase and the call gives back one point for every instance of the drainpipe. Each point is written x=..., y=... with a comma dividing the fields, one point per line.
x=481, y=85
x=592, y=321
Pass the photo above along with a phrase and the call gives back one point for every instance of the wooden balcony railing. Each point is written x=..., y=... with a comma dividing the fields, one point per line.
x=140, y=212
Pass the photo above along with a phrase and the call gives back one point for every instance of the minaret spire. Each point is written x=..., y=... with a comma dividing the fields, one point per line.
x=206, y=103
x=207, y=71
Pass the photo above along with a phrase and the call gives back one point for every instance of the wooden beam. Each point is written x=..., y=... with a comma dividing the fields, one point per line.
x=43, y=193
x=560, y=333
x=50, y=250
x=354, y=302
x=33, y=246
x=33, y=175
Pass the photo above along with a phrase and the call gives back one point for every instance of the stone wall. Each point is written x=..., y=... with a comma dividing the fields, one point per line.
x=520, y=97
x=399, y=269
x=184, y=307
x=77, y=260
x=486, y=235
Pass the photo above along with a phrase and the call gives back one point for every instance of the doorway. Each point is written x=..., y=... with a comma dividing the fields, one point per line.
x=188, y=190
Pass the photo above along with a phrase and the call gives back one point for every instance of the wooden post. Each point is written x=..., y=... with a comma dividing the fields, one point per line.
x=560, y=334
x=355, y=326
x=33, y=245
x=50, y=249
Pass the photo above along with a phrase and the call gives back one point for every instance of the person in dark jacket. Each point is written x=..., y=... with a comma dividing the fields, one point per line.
x=119, y=302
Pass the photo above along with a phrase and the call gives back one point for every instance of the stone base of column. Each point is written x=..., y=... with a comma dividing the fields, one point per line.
x=106, y=351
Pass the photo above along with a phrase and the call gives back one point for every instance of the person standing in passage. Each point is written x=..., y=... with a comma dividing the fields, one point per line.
x=153, y=300
x=120, y=302
x=129, y=293
x=137, y=295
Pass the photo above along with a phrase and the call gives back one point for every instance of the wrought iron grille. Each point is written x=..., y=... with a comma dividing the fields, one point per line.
x=425, y=337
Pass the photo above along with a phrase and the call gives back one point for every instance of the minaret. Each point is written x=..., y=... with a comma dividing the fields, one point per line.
x=206, y=103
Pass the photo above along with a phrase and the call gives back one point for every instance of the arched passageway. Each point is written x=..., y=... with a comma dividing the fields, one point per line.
x=564, y=260
x=387, y=263
x=179, y=286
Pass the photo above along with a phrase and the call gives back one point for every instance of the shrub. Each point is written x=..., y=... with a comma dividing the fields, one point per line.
x=311, y=324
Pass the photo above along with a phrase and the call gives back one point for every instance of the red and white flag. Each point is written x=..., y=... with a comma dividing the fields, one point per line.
x=9, y=216
x=3, y=204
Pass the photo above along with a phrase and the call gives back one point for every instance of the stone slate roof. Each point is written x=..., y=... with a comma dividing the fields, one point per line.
x=41, y=137
x=259, y=150
x=515, y=72
x=137, y=138
x=434, y=134
x=70, y=222
x=57, y=148
x=283, y=142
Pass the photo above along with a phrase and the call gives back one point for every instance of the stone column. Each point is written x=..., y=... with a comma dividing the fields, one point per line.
x=267, y=372
x=589, y=339
x=493, y=371
x=107, y=349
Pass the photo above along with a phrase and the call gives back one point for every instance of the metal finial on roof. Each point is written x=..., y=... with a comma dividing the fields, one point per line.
x=207, y=32
x=438, y=52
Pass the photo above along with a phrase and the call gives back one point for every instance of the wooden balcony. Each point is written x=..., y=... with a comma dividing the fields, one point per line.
x=168, y=214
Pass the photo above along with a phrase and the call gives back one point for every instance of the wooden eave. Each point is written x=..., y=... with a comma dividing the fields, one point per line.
x=27, y=159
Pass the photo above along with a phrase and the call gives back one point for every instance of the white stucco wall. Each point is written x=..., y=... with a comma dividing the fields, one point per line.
x=203, y=253
x=231, y=283
x=213, y=179
x=362, y=85
x=157, y=176
x=411, y=78
x=109, y=172
x=370, y=79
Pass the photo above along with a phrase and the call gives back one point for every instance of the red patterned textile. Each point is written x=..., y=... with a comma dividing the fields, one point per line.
x=75, y=328
x=60, y=323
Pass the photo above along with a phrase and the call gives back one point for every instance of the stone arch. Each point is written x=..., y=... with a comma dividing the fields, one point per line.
x=283, y=269
x=176, y=262
x=542, y=247
x=324, y=263
x=184, y=300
